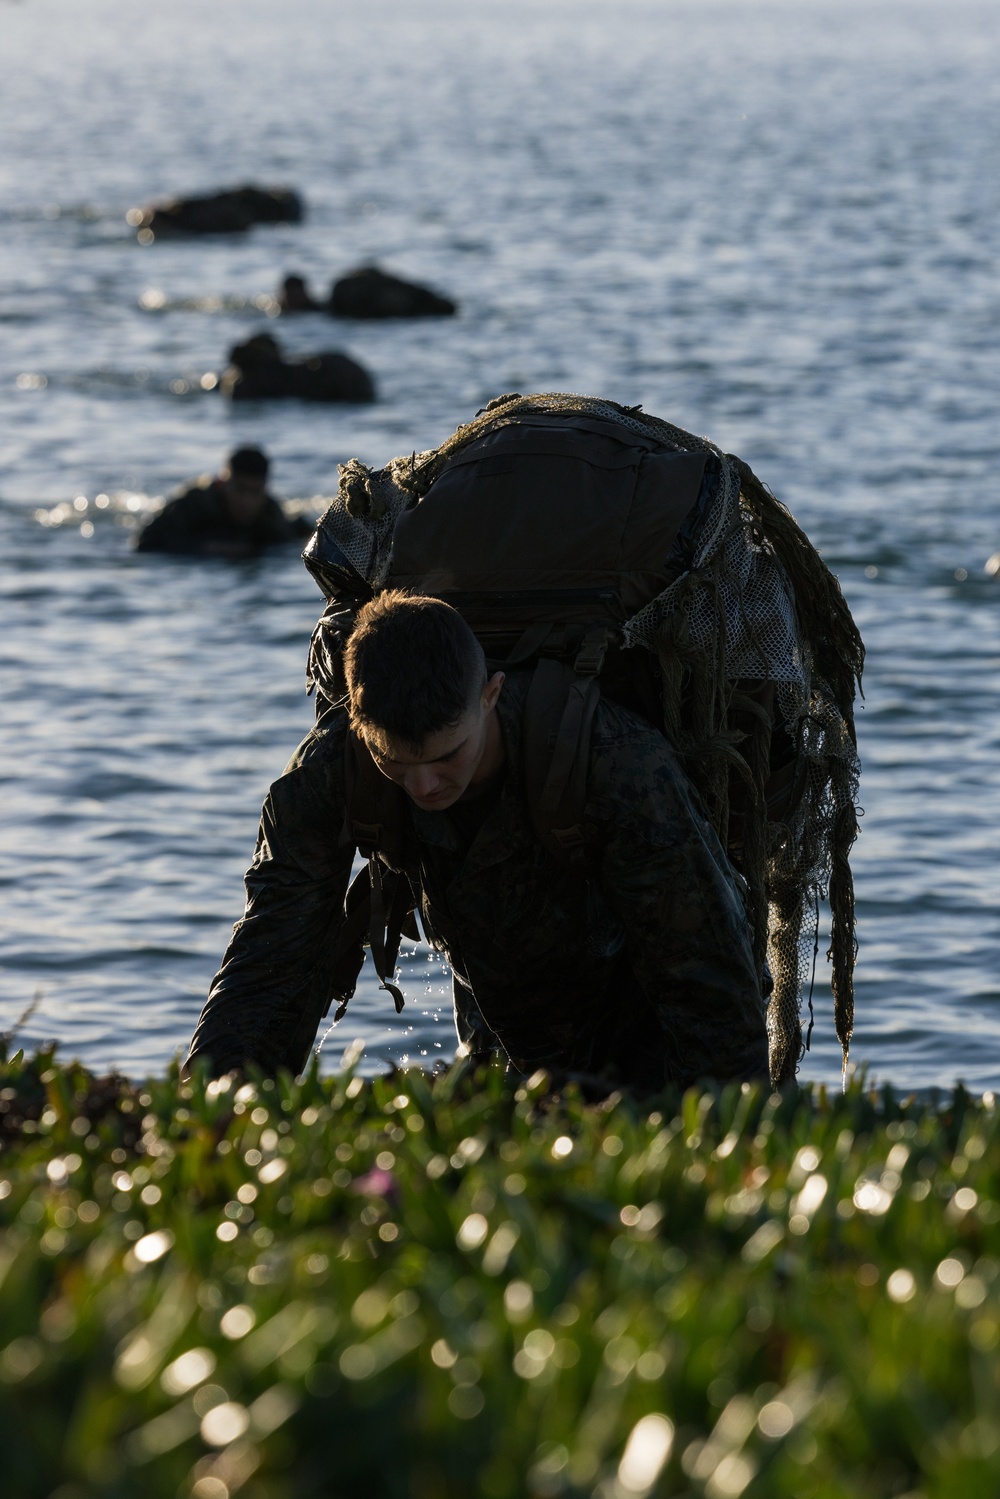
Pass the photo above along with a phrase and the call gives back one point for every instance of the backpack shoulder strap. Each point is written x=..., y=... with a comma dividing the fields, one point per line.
x=558, y=719
x=375, y=819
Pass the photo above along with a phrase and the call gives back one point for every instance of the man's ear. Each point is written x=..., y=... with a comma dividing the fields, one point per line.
x=491, y=691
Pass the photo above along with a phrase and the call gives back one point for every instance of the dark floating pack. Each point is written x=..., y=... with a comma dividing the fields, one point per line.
x=232, y=210
x=609, y=551
x=259, y=371
x=372, y=293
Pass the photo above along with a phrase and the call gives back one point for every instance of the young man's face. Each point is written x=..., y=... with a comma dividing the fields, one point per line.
x=452, y=760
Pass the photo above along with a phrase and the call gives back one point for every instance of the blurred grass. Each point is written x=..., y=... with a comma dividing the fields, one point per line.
x=423, y=1287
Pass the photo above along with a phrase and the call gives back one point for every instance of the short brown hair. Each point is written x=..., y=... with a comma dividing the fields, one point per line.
x=413, y=667
x=249, y=461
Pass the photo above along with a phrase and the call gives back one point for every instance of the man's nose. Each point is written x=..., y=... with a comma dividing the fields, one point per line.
x=421, y=781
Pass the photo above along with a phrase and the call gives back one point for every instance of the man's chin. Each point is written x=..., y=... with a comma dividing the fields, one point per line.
x=439, y=803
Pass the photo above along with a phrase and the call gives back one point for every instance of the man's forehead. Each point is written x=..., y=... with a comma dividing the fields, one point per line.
x=440, y=743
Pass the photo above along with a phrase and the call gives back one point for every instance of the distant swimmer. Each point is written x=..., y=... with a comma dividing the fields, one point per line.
x=366, y=292
x=259, y=371
x=233, y=210
x=232, y=515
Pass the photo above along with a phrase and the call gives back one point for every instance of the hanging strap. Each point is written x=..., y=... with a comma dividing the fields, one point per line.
x=375, y=816
x=361, y=928
x=351, y=943
x=386, y=929
x=558, y=718
x=378, y=910
x=530, y=643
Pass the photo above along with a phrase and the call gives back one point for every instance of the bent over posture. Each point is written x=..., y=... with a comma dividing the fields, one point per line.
x=632, y=961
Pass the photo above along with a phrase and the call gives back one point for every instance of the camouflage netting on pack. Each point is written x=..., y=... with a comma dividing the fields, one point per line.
x=756, y=605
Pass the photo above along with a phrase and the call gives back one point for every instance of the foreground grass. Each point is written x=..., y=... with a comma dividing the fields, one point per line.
x=434, y=1287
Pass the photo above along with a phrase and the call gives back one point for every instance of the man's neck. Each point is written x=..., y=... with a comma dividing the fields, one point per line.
x=493, y=758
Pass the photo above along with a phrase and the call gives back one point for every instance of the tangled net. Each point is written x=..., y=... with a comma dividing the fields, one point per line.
x=754, y=606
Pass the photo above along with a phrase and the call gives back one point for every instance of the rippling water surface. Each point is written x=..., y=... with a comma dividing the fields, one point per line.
x=774, y=223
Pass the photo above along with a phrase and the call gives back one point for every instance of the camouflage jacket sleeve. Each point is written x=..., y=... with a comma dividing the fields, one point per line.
x=181, y=525
x=267, y=1000
x=665, y=874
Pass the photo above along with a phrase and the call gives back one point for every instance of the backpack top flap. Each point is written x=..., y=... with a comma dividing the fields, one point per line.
x=562, y=521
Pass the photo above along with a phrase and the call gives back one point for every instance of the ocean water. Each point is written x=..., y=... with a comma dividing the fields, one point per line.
x=773, y=223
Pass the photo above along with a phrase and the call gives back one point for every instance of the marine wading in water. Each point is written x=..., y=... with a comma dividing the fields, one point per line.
x=663, y=624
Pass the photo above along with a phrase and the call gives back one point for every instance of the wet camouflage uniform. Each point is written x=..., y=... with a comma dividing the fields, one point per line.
x=201, y=516
x=637, y=967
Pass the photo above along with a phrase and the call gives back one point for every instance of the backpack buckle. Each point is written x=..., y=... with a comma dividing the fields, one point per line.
x=569, y=838
x=367, y=836
x=590, y=656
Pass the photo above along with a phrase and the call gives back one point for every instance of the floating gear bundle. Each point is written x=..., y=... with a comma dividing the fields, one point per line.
x=611, y=551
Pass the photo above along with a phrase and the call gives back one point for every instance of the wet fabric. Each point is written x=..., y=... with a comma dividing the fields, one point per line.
x=636, y=965
x=200, y=517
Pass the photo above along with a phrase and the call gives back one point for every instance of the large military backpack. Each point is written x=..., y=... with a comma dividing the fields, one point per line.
x=607, y=552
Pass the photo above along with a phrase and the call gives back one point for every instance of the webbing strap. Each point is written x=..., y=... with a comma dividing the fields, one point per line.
x=569, y=751
x=351, y=940
x=367, y=924
x=567, y=741
x=375, y=819
x=387, y=926
x=559, y=714
x=530, y=643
